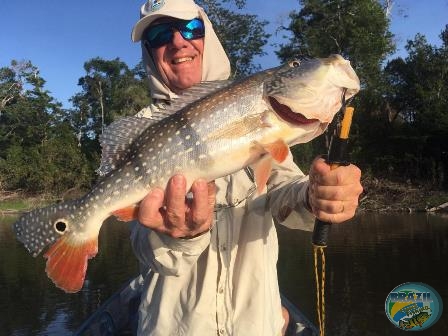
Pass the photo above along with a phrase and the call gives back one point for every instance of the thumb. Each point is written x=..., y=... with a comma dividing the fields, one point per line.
x=319, y=167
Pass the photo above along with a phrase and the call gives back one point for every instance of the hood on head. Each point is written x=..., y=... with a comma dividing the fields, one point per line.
x=215, y=63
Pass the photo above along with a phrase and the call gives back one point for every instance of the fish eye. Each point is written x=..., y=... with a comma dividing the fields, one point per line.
x=294, y=64
x=60, y=226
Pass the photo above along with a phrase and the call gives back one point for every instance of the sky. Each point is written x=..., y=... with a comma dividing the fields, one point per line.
x=58, y=36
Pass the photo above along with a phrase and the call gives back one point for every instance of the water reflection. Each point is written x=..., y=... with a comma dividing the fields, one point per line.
x=31, y=305
x=366, y=259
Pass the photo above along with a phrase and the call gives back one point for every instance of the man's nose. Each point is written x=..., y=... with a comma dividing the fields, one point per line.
x=177, y=40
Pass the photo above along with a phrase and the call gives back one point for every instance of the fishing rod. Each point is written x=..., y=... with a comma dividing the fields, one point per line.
x=337, y=156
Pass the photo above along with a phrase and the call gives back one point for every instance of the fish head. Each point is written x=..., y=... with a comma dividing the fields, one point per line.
x=308, y=92
x=41, y=227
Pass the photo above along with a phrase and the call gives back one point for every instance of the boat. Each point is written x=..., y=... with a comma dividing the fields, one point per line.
x=119, y=315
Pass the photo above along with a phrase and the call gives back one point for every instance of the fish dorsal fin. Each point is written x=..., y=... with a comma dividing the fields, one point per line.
x=117, y=138
x=195, y=93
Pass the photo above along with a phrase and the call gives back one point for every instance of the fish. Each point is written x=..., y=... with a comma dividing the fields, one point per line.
x=210, y=131
x=414, y=321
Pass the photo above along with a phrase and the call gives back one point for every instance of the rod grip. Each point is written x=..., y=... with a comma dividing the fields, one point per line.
x=337, y=156
x=320, y=232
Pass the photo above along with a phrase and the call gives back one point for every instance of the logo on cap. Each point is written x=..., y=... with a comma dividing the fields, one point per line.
x=155, y=5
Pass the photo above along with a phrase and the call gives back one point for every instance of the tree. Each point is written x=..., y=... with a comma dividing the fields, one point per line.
x=109, y=90
x=36, y=142
x=242, y=35
x=359, y=31
x=419, y=96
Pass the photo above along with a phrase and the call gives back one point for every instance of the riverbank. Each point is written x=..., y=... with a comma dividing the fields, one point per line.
x=380, y=195
x=15, y=202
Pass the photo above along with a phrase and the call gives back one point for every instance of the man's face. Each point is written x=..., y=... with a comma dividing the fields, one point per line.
x=179, y=62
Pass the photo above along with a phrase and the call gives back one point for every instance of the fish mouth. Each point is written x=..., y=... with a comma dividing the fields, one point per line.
x=284, y=112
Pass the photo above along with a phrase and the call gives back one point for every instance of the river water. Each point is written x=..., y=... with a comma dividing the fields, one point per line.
x=365, y=260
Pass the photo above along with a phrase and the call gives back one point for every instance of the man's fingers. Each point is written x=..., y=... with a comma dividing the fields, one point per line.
x=199, y=207
x=175, y=201
x=342, y=175
x=211, y=186
x=149, y=213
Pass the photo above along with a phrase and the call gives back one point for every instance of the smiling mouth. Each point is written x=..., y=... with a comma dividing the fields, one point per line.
x=182, y=60
x=288, y=115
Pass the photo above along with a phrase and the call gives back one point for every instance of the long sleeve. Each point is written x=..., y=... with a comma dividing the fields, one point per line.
x=164, y=254
x=287, y=192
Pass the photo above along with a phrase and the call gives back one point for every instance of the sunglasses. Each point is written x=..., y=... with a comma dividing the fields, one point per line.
x=161, y=34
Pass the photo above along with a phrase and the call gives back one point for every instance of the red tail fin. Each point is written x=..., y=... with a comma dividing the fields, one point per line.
x=67, y=262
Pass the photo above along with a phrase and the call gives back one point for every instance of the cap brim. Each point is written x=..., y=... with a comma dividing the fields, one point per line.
x=144, y=22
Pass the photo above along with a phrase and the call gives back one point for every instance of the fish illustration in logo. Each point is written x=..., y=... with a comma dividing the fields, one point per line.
x=414, y=321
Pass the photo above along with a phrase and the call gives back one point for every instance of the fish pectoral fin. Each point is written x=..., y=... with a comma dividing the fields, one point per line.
x=278, y=150
x=67, y=262
x=262, y=171
x=127, y=214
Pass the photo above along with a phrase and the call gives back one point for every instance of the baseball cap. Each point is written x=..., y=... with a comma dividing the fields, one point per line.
x=155, y=9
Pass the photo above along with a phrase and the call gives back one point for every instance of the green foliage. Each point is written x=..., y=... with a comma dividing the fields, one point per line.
x=400, y=127
x=418, y=101
x=109, y=90
x=242, y=35
x=38, y=149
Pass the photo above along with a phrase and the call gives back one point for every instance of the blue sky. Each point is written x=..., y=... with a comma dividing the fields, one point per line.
x=58, y=36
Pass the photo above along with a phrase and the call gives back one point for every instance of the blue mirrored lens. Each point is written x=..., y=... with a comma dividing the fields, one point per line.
x=162, y=34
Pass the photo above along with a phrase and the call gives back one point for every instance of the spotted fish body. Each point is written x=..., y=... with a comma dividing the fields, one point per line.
x=215, y=129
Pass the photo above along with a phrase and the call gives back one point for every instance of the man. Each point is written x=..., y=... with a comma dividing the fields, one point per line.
x=212, y=259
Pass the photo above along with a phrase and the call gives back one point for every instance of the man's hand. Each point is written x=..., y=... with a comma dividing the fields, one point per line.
x=171, y=213
x=333, y=194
